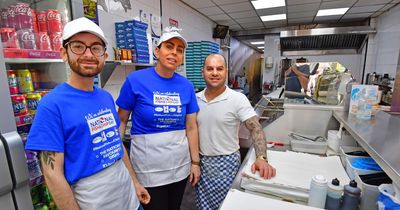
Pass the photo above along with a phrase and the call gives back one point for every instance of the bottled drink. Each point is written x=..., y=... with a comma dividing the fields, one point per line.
x=351, y=196
x=23, y=16
x=318, y=190
x=53, y=21
x=334, y=195
x=364, y=110
x=42, y=21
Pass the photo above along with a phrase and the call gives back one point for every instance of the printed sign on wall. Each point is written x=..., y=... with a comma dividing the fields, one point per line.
x=173, y=22
x=90, y=10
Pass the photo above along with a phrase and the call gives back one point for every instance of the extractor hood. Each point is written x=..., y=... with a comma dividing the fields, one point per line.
x=338, y=40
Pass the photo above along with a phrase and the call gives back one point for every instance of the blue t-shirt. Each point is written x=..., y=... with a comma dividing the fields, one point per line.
x=158, y=104
x=81, y=124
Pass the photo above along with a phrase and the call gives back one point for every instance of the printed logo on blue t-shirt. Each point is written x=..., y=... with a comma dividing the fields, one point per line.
x=168, y=109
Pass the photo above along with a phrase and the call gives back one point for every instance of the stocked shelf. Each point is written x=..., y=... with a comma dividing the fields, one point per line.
x=32, y=60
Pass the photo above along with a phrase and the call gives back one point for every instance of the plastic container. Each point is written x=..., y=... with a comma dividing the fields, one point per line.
x=334, y=195
x=318, y=191
x=310, y=147
x=351, y=196
x=354, y=151
x=352, y=170
x=369, y=189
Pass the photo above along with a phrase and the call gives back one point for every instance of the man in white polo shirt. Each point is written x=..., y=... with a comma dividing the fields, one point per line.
x=221, y=112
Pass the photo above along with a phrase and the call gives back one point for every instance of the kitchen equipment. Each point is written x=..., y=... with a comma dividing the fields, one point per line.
x=305, y=138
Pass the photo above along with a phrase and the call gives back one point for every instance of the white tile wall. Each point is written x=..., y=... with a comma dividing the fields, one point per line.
x=384, y=46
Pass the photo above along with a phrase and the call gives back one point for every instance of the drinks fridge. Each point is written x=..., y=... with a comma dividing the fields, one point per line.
x=30, y=66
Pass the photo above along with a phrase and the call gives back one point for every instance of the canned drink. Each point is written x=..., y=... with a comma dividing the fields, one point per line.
x=20, y=106
x=12, y=23
x=27, y=39
x=53, y=21
x=12, y=82
x=42, y=21
x=9, y=38
x=56, y=41
x=43, y=41
x=32, y=100
x=25, y=81
x=23, y=16
x=4, y=17
x=35, y=74
x=35, y=21
x=43, y=92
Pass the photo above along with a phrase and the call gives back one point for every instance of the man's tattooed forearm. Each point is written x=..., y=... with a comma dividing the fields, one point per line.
x=257, y=135
x=48, y=158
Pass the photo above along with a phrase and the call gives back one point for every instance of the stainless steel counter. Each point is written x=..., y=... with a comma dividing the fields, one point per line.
x=380, y=137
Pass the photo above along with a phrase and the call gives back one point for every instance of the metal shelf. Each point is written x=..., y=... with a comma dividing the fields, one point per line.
x=111, y=65
x=32, y=60
x=379, y=137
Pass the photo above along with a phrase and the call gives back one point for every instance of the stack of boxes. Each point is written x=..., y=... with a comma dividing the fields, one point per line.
x=195, y=55
x=132, y=35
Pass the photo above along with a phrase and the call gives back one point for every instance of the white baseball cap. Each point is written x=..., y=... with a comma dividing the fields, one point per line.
x=82, y=25
x=169, y=33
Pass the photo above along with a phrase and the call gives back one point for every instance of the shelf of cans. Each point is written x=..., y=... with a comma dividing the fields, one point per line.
x=28, y=33
x=131, y=38
x=195, y=55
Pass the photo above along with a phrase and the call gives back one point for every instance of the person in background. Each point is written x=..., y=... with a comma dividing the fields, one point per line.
x=76, y=132
x=164, y=135
x=221, y=112
x=297, y=78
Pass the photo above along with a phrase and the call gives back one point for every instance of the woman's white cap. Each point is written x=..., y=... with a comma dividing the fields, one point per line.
x=169, y=33
x=82, y=25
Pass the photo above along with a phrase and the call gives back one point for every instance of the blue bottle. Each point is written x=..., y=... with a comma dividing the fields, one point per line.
x=334, y=195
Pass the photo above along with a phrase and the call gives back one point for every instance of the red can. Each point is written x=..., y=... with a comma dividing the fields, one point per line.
x=53, y=21
x=23, y=16
x=12, y=22
x=4, y=17
x=56, y=41
x=35, y=21
x=12, y=82
x=35, y=74
x=27, y=39
x=9, y=38
x=42, y=21
x=43, y=41
x=20, y=106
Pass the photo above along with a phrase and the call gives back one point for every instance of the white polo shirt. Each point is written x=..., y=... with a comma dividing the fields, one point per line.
x=219, y=121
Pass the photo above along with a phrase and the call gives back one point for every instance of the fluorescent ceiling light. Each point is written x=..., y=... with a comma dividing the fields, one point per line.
x=327, y=12
x=255, y=43
x=273, y=17
x=263, y=4
x=262, y=47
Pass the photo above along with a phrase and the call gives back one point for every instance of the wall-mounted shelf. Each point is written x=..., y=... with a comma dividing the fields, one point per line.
x=111, y=65
x=32, y=60
x=379, y=137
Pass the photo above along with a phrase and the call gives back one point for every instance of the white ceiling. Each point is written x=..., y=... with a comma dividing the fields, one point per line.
x=241, y=15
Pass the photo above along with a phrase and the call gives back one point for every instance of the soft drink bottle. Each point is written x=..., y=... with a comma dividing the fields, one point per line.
x=23, y=16
x=43, y=41
x=4, y=17
x=27, y=39
x=53, y=21
x=12, y=22
x=56, y=41
x=35, y=21
x=42, y=21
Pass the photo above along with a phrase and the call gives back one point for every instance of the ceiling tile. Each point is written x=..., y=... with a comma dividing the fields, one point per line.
x=295, y=2
x=357, y=15
x=254, y=24
x=337, y=4
x=199, y=4
x=227, y=22
x=249, y=20
x=371, y=2
x=302, y=20
x=332, y=18
x=271, y=11
x=245, y=14
x=301, y=15
x=238, y=7
x=273, y=24
x=217, y=18
x=235, y=28
x=218, y=2
x=364, y=9
x=386, y=7
x=303, y=8
x=210, y=11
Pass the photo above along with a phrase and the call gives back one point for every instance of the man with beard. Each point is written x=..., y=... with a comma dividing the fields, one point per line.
x=76, y=132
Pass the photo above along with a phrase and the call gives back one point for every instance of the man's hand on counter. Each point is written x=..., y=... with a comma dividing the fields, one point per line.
x=264, y=168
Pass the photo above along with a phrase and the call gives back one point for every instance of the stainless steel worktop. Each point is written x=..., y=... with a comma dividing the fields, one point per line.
x=380, y=137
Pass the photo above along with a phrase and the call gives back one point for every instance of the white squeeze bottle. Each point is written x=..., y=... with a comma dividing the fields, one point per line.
x=318, y=190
